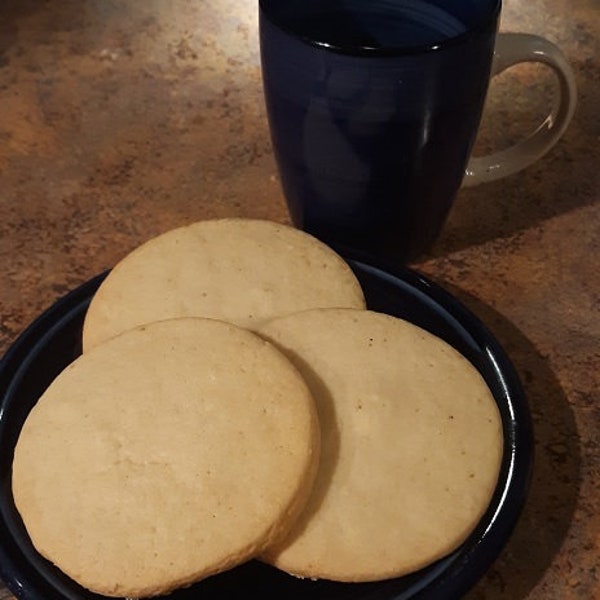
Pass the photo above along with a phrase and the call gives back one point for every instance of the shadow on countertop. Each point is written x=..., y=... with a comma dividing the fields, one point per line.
x=557, y=473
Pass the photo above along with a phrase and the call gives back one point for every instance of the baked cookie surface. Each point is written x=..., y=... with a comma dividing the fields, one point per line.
x=411, y=446
x=166, y=454
x=239, y=270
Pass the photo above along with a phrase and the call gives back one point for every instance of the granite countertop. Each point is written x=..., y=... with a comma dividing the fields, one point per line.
x=120, y=120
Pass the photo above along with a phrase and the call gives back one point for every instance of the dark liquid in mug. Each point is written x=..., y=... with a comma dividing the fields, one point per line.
x=381, y=182
x=377, y=23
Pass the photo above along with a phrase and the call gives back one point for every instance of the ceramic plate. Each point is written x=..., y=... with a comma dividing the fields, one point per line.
x=53, y=340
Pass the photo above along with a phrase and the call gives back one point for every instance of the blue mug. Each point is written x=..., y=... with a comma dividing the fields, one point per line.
x=374, y=106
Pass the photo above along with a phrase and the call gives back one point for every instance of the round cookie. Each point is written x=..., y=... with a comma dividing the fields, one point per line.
x=240, y=270
x=411, y=446
x=171, y=452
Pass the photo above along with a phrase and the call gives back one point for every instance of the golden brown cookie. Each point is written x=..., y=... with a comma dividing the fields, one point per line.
x=411, y=446
x=240, y=270
x=166, y=454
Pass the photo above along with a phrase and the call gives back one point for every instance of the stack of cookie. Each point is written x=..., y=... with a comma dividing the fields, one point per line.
x=236, y=399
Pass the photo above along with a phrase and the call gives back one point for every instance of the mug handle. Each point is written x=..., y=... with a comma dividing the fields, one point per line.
x=510, y=49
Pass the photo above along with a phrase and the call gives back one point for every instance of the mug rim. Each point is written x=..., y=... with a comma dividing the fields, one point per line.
x=388, y=51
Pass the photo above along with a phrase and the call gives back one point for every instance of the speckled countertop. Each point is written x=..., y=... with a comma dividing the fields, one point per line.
x=119, y=120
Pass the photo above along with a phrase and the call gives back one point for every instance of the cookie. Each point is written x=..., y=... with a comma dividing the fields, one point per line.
x=168, y=453
x=244, y=271
x=411, y=446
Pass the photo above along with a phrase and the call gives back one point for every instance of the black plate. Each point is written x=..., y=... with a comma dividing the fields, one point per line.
x=52, y=341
